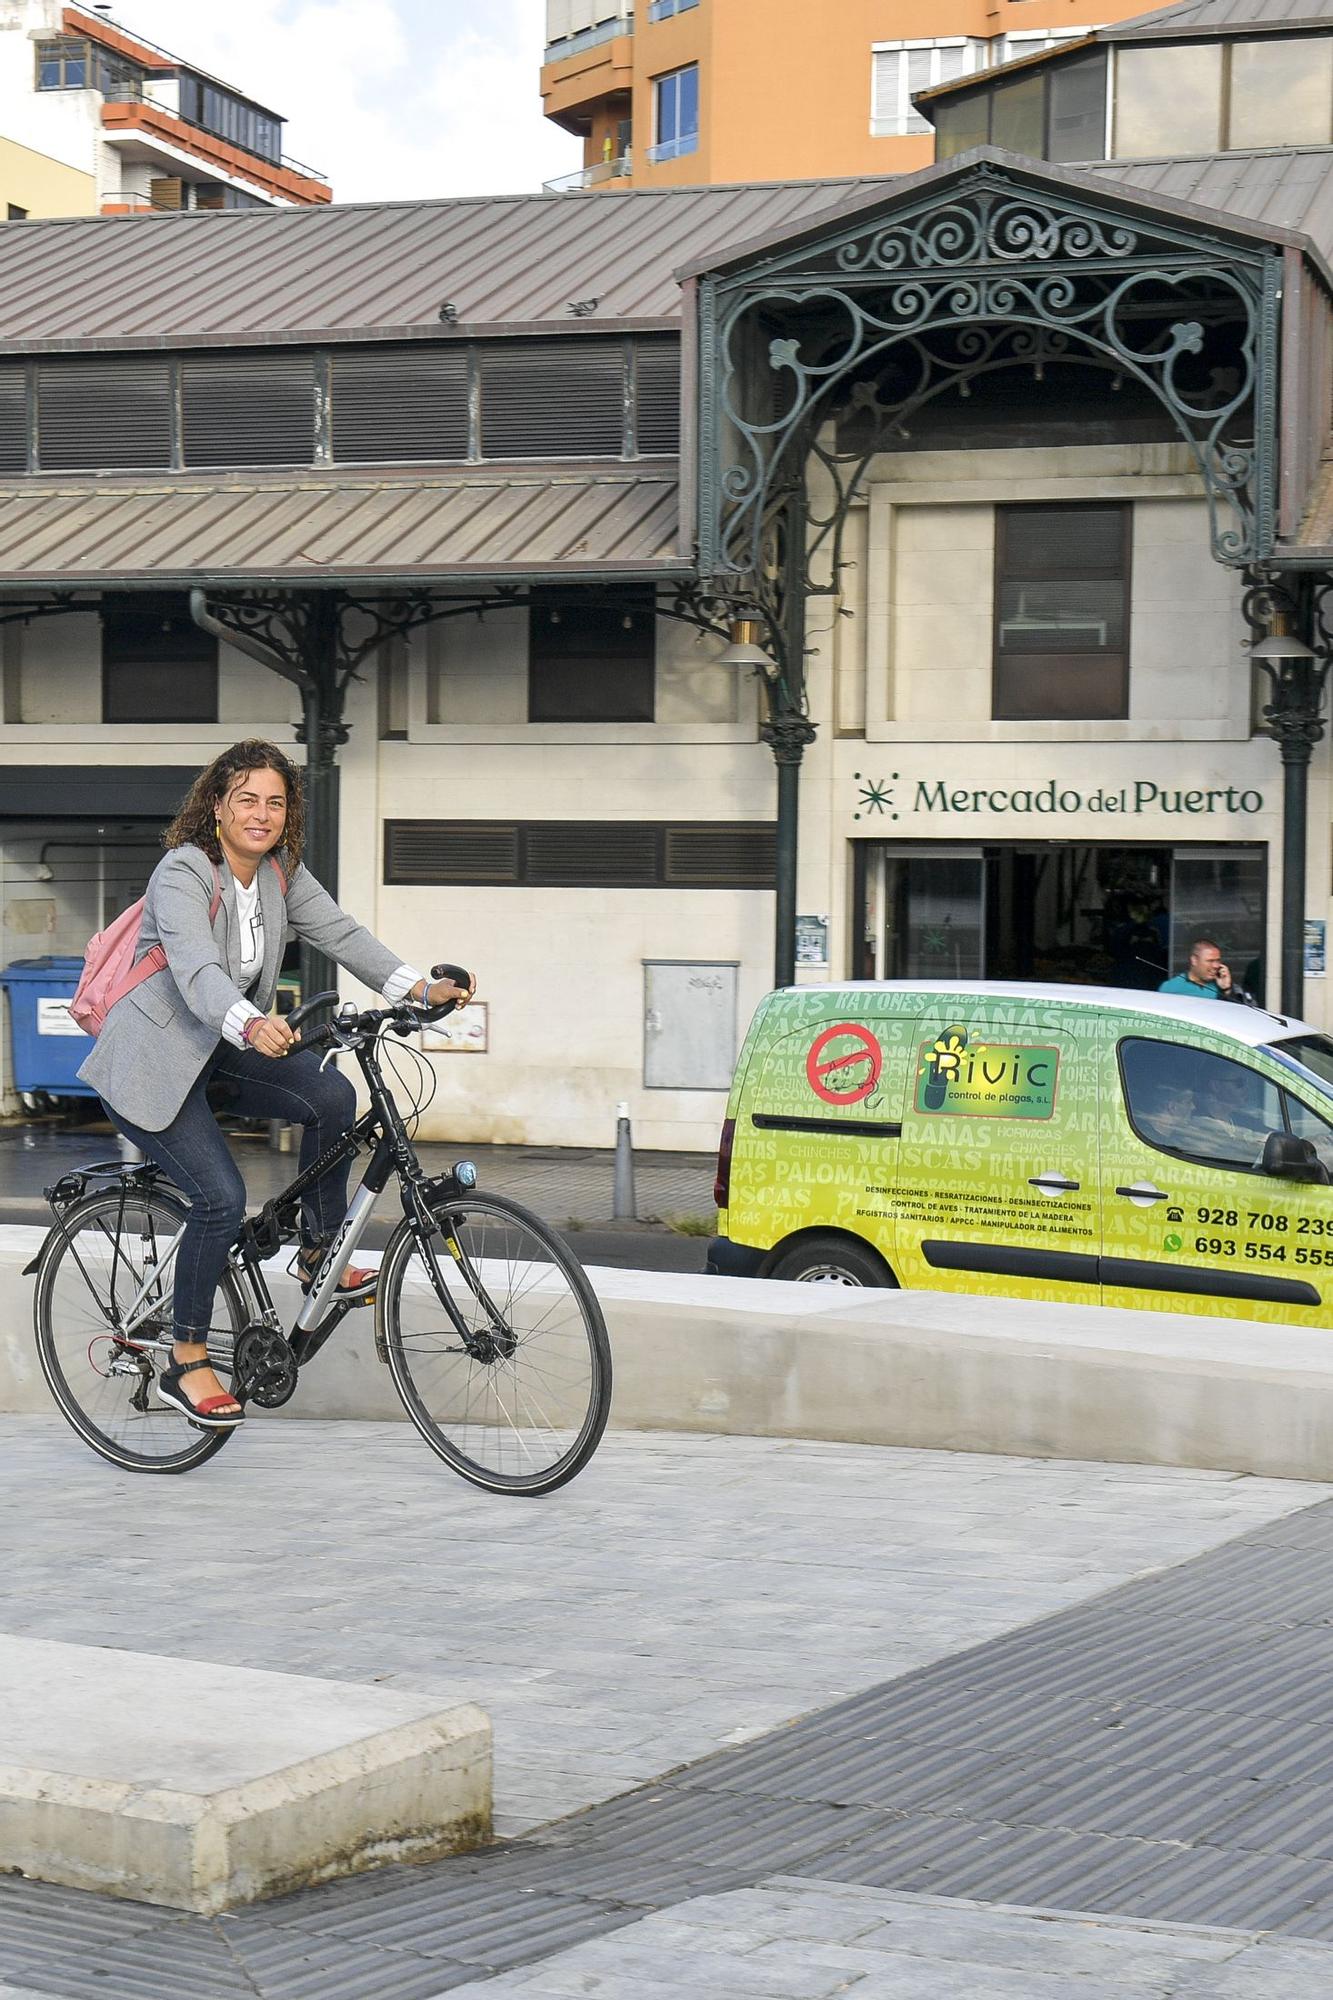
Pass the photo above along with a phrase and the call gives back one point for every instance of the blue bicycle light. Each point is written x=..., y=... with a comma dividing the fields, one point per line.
x=465, y=1174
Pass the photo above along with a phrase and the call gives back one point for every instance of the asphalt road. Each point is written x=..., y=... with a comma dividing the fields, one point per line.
x=626, y=1248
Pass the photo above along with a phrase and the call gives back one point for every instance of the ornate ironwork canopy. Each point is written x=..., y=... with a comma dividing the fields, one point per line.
x=829, y=348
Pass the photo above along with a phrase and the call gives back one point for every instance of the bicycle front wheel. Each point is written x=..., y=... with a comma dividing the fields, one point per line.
x=511, y=1383
x=102, y=1372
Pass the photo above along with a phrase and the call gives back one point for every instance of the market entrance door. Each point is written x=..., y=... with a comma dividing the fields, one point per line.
x=1057, y=911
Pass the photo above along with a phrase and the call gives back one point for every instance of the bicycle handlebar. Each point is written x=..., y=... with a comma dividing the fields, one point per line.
x=405, y=1017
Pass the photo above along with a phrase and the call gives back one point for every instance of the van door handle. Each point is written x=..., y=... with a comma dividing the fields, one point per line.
x=1143, y=1192
x=1054, y=1184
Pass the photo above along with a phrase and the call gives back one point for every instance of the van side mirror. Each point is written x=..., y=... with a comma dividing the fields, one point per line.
x=1288, y=1158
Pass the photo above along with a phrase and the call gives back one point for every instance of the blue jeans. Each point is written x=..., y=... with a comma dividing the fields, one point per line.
x=194, y=1153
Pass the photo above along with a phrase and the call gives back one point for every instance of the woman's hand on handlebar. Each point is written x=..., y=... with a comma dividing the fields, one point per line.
x=271, y=1036
x=445, y=991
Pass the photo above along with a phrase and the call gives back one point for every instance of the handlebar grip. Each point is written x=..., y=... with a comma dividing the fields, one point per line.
x=322, y=1038
x=454, y=972
x=308, y=1007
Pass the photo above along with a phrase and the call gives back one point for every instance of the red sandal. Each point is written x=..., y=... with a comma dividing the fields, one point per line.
x=356, y=1287
x=214, y=1413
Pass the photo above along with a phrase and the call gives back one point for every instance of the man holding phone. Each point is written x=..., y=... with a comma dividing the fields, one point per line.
x=1205, y=977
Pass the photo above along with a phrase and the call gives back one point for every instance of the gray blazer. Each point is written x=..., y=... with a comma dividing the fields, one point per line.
x=157, y=1039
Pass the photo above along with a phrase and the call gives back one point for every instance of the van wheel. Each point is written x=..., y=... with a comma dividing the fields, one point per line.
x=833, y=1260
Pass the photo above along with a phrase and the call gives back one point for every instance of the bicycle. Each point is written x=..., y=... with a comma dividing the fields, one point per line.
x=485, y=1319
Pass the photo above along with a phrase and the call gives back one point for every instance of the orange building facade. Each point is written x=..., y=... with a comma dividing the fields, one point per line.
x=666, y=93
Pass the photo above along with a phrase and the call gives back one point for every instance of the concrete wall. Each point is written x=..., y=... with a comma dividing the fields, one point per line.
x=758, y=1358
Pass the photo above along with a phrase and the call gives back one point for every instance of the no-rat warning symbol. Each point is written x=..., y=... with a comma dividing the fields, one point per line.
x=859, y=1055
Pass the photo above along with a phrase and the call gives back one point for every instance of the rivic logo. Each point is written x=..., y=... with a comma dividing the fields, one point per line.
x=958, y=1079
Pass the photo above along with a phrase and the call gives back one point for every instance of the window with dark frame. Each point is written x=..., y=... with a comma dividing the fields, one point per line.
x=1062, y=578
x=589, y=661
x=157, y=666
x=64, y=64
x=1050, y=112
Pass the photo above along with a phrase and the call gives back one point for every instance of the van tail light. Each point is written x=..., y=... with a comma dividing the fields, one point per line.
x=722, y=1185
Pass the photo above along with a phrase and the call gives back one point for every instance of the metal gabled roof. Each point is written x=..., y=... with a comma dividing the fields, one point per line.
x=1281, y=190
x=1204, y=17
x=514, y=262
x=392, y=527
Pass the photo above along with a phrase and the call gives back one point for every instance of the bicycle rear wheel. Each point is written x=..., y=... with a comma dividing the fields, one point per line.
x=104, y=1385
x=519, y=1406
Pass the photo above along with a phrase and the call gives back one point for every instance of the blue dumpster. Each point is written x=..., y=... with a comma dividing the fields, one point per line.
x=48, y=1046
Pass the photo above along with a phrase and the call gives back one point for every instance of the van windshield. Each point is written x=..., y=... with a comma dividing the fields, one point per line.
x=1313, y=1053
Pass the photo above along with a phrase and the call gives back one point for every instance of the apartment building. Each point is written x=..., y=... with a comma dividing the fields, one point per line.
x=683, y=92
x=96, y=120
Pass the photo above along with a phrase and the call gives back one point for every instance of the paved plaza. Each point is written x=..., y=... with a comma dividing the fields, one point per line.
x=771, y=1718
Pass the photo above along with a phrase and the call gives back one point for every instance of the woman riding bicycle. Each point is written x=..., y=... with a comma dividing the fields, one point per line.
x=203, y=1021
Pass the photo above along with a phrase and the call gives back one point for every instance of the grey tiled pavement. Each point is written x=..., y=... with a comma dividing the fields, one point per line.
x=1158, y=1738
x=788, y=1939
x=684, y=1593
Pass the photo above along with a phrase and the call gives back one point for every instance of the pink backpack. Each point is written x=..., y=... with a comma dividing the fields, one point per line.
x=109, y=970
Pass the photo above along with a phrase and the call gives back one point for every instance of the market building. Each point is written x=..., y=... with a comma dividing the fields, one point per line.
x=897, y=577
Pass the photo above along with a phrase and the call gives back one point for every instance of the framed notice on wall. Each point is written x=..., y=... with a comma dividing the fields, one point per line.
x=1315, y=966
x=812, y=940
x=466, y=1033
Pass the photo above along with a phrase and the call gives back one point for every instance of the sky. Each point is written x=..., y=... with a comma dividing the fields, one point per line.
x=393, y=100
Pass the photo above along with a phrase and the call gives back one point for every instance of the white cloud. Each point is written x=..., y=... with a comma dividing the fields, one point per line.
x=394, y=100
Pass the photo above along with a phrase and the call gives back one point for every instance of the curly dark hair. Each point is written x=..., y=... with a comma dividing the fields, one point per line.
x=195, y=825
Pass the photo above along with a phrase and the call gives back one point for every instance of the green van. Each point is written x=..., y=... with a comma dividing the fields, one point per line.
x=1047, y=1142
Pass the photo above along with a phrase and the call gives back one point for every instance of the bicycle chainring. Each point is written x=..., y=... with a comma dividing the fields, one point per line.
x=263, y=1368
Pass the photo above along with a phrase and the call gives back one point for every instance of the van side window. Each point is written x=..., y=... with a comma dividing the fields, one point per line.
x=1197, y=1105
x=1307, y=1124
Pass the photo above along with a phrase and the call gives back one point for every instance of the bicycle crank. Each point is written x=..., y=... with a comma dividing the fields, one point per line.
x=263, y=1368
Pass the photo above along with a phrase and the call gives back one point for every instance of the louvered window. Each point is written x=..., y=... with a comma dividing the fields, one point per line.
x=101, y=416
x=581, y=854
x=556, y=399
x=699, y=857
x=399, y=403
x=658, y=396
x=248, y=409
x=13, y=419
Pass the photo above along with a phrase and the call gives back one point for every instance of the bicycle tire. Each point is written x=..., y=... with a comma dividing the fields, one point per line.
x=67, y=1306
x=539, y=1412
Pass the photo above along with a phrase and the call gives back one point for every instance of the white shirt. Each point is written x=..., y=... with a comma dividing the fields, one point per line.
x=251, y=920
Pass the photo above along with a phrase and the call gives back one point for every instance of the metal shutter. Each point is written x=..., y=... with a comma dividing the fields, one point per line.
x=736, y=856
x=13, y=418
x=248, y=409
x=589, y=854
x=399, y=403
x=560, y=399
x=102, y=416
x=658, y=392
x=459, y=851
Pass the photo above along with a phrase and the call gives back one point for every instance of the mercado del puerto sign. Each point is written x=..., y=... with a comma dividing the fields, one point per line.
x=894, y=797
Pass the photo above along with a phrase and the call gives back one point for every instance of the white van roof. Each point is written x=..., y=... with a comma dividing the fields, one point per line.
x=1249, y=1025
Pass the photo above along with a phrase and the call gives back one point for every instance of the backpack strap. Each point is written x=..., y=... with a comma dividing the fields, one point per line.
x=279, y=872
x=215, y=901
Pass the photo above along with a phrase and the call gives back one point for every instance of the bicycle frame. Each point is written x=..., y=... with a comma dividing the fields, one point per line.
x=392, y=1154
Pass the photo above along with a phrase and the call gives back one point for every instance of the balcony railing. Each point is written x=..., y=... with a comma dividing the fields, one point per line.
x=588, y=38
x=675, y=149
x=662, y=10
x=587, y=177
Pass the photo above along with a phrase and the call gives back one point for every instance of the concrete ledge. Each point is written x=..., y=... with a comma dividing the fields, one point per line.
x=201, y=1787
x=931, y=1369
